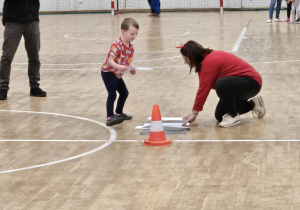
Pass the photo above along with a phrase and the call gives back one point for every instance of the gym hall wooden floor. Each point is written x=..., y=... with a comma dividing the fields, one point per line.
x=57, y=153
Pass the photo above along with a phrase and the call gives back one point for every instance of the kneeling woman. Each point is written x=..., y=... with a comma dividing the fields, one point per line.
x=234, y=80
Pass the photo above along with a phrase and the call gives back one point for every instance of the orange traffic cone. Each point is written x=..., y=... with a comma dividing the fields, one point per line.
x=157, y=134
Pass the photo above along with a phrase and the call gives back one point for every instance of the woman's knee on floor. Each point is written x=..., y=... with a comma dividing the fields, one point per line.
x=221, y=87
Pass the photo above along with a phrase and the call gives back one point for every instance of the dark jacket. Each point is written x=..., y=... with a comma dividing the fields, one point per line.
x=21, y=11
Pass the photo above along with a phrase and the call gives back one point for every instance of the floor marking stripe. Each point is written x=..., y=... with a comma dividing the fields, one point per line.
x=113, y=136
x=239, y=41
x=274, y=61
x=241, y=140
x=75, y=64
x=154, y=37
x=184, y=141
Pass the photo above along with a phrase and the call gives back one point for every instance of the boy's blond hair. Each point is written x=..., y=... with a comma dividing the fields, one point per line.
x=127, y=22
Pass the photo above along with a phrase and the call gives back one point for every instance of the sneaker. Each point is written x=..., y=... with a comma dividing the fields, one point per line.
x=157, y=15
x=287, y=20
x=259, y=107
x=229, y=121
x=3, y=94
x=293, y=21
x=126, y=117
x=269, y=21
x=38, y=92
x=278, y=20
x=114, y=120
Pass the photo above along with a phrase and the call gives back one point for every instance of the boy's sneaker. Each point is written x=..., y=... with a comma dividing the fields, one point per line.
x=259, y=107
x=38, y=92
x=269, y=21
x=229, y=121
x=3, y=94
x=114, y=120
x=278, y=20
x=125, y=116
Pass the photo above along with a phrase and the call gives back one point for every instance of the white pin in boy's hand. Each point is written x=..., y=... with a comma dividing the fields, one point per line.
x=139, y=68
x=133, y=69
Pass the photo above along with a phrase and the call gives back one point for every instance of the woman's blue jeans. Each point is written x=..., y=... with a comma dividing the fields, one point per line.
x=271, y=8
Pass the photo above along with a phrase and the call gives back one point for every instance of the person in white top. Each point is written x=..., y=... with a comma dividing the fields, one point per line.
x=295, y=9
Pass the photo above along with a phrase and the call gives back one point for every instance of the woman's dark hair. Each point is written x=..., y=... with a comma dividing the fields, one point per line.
x=195, y=54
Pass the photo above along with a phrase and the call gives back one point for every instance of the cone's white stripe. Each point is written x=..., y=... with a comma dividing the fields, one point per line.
x=156, y=126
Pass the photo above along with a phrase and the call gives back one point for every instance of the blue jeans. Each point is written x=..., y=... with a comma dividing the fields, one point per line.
x=271, y=8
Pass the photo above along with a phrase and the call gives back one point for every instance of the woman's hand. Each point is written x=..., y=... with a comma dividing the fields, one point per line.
x=190, y=118
x=132, y=72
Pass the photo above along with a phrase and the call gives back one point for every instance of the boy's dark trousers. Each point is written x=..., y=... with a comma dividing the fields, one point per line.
x=114, y=85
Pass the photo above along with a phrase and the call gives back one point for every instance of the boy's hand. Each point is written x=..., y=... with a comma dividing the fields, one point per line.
x=132, y=72
x=122, y=68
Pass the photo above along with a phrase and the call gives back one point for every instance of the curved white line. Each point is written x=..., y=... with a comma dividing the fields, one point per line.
x=153, y=37
x=113, y=136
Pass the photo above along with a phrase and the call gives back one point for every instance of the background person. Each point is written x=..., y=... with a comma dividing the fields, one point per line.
x=155, y=7
x=21, y=18
x=271, y=11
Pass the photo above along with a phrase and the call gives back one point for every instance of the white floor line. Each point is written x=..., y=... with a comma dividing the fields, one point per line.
x=113, y=136
x=239, y=41
x=98, y=64
x=138, y=141
x=68, y=36
x=263, y=62
x=57, y=69
x=62, y=140
x=241, y=140
x=81, y=53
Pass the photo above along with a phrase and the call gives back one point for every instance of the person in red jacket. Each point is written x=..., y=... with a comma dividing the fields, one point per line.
x=236, y=83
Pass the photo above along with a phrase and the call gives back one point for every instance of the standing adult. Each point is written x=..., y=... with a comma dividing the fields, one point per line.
x=271, y=11
x=236, y=83
x=21, y=18
x=288, y=10
x=155, y=7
